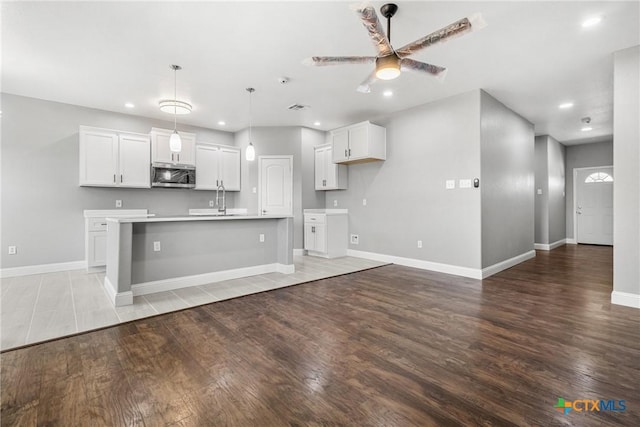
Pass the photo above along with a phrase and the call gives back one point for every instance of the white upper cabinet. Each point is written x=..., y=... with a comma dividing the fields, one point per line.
x=230, y=168
x=359, y=143
x=328, y=175
x=217, y=165
x=161, y=153
x=110, y=158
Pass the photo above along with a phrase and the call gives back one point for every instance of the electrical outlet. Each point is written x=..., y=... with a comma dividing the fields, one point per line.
x=419, y=244
x=156, y=246
x=13, y=250
x=335, y=203
x=210, y=203
x=450, y=184
x=364, y=202
x=354, y=239
x=261, y=238
x=118, y=203
x=465, y=183
x=539, y=190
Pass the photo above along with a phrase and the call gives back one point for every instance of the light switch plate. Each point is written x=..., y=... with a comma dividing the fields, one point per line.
x=12, y=250
x=156, y=246
x=465, y=183
x=450, y=184
x=254, y=190
x=261, y=238
x=335, y=203
x=539, y=190
x=364, y=202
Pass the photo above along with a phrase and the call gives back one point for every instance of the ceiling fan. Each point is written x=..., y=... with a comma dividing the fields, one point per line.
x=390, y=62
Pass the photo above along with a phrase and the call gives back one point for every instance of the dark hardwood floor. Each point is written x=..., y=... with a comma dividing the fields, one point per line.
x=391, y=346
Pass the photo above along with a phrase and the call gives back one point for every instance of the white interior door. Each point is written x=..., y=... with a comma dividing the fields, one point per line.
x=276, y=185
x=594, y=206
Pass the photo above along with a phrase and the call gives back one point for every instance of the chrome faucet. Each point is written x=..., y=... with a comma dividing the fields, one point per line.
x=221, y=208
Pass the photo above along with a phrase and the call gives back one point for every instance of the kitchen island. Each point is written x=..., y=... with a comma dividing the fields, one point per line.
x=154, y=254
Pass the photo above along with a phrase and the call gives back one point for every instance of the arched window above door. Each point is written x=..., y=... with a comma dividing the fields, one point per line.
x=599, y=177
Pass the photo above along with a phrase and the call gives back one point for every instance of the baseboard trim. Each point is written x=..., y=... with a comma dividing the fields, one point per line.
x=202, y=279
x=299, y=252
x=117, y=298
x=42, y=268
x=508, y=263
x=548, y=247
x=626, y=299
x=571, y=241
x=473, y=273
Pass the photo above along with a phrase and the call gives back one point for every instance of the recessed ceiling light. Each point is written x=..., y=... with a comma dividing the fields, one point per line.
x=387, y=93
x=317, y=123
x=129, y=105
x=566, y=105
x=222, y=123
x=590, y=22
x=586, y=129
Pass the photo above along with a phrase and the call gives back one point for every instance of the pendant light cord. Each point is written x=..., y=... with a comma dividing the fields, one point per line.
x=250, y=109
x=175, y=99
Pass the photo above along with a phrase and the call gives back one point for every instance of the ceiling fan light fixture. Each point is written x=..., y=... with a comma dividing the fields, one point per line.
x=388, y=67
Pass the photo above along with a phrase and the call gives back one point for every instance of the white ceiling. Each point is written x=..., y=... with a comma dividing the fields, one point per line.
x=532, y=56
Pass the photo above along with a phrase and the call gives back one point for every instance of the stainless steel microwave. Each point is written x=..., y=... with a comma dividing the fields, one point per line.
x=170, y=175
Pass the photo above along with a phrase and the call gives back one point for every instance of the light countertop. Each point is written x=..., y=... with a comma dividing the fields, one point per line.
x=327, y=211
x=183, y=218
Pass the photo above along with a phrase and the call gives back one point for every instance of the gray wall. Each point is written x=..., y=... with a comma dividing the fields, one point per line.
x=507, y=165
x=583, y=156
x=541, y=185
x=42, y=203
x=550, y=206
x=626, y=159
x=295, y=141
x=406, y=196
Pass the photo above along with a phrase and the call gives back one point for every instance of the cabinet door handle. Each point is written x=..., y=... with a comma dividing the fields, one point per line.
x=120, y=177
x=114, y=178
x=178, y=155
x=349, y=152
x=217, y=183
x=345, y=152
x=313, y=229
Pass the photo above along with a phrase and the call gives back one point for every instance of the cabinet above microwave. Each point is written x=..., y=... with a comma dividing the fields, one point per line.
x=360, y=143
x=161, y=153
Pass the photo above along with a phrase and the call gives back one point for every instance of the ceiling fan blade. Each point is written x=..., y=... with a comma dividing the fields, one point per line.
x=376, y=32
x=364, y=86
x=458, y=28
x=338, y=60
x=407, y=64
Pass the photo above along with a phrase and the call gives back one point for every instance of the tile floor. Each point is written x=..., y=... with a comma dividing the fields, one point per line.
x=45, y=306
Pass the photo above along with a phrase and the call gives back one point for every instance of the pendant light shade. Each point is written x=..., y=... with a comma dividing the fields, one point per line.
x=175, y=142
x=250, y=154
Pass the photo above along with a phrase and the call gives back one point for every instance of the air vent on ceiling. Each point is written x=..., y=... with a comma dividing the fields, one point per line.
x=297, y=107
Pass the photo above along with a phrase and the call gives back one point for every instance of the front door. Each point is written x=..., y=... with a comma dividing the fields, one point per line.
x=276, y=185
x=594, y=205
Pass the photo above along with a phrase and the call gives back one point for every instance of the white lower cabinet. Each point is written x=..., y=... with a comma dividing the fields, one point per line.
x=326, y=232
x=95, y=231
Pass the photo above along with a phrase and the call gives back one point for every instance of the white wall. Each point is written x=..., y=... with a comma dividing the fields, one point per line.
x=626, y=189
x=42, y=203
x=507, y=164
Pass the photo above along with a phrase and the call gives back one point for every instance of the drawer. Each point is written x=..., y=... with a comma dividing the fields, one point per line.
x=315, y=218
x=97, y=224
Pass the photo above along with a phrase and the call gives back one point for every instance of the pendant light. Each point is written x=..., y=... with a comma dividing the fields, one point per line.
x=250, y=154
x=175, y=142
